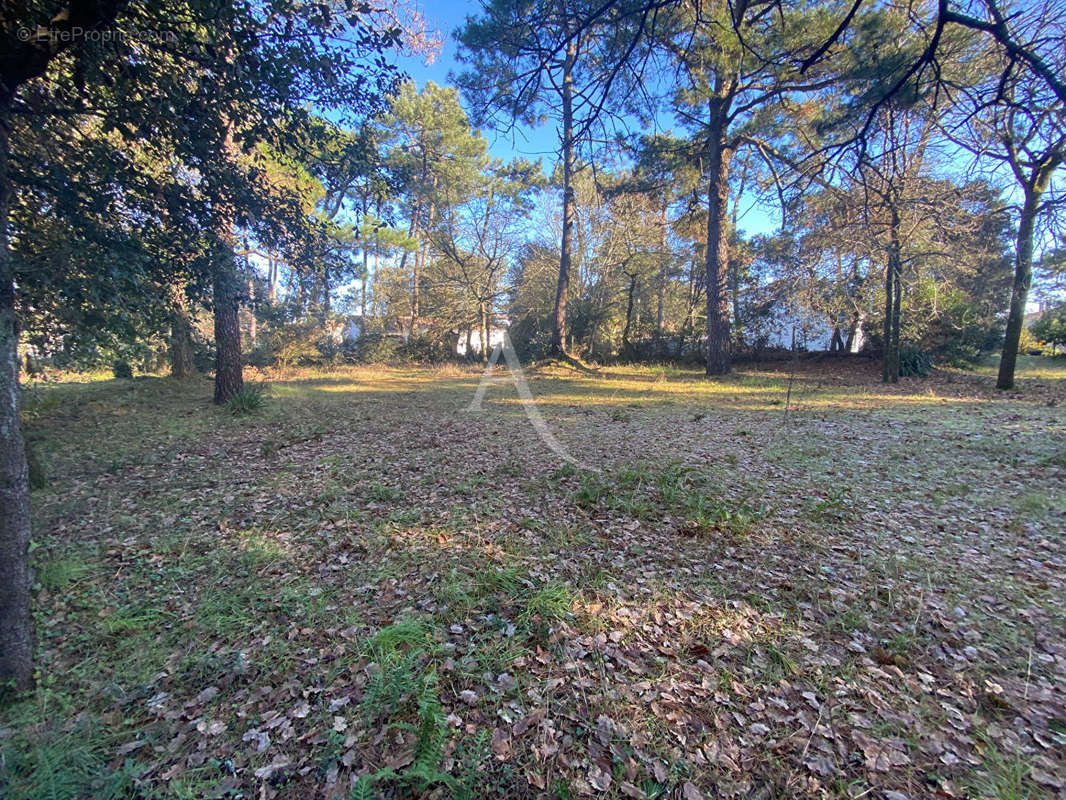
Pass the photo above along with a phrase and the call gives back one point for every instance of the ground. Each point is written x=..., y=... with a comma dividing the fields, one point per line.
x=363, y=589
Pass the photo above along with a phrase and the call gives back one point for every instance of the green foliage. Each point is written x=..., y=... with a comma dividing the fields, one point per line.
x=1050, y=328
x=549, y=602
x=57, y=574
x=914, y=362
x=251, y=398
x=64, y=762
x=122, y=369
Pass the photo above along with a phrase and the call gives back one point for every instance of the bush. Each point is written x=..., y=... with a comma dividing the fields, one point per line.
x=122, y=369
x=1050, y=328
x=249, y=399
x=375, y=348
x=427, y=350
x=914, y=362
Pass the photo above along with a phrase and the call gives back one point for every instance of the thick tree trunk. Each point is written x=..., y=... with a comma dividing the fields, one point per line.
x=229, y=378
x=563, y=286
x=1019, y=296
x=719, y=360
x=16, y=623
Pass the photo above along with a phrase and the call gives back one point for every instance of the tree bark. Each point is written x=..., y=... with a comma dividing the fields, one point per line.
x=229, y=378
x=1019, y=296
x=226, y=291
x=484, y=314
x=563, y=286
x=893, y=297
x=253, y=332
x=719, y=361
x=626, y=346
x=664, y=273
x=16, y=622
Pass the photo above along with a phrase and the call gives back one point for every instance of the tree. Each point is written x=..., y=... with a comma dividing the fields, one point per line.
x=1051, y=327
x=479, y=236
x=1015, y=125
x=737, y=66
x=433, y=152
x=24, y=60
x=231, y=78
x=566, y=59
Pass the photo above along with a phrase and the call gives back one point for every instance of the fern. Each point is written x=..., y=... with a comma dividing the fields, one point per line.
x=363, y=789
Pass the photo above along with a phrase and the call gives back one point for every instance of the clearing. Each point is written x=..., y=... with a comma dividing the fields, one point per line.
x=361, y=578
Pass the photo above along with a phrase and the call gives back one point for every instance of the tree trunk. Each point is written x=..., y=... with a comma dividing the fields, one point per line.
x=252, y=332
x=1023, y=278
x=893, y=296
x=229, y=377
x=563, y=286
x=626, y=347
x=484, y=332
x=16, y=622
x=412, y=232
x=420, y=263
x=664, y=271
x=181, y=347
x=718, y=349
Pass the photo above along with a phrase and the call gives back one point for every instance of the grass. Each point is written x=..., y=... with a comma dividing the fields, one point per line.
x=385, y=586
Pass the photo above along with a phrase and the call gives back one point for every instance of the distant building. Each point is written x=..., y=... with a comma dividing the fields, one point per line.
x=470, y=338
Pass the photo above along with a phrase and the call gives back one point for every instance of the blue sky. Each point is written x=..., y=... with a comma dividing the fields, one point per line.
x=533, y=144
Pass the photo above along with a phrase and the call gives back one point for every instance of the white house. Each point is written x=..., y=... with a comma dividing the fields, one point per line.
x=496, y=331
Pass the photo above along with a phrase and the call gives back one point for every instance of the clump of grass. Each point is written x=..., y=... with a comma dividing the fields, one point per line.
x=251, y=398
x=706, y=514
x=58, y=761
x=591, y=491
x=59, y=573
x=549, y=602
x=1004, y=776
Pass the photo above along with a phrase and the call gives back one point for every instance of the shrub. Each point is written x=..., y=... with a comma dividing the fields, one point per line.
x=427, y=350
x=249, y=399
x=914, y=362
x=375, y=348
x=122, y=369
x=1050, y=328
